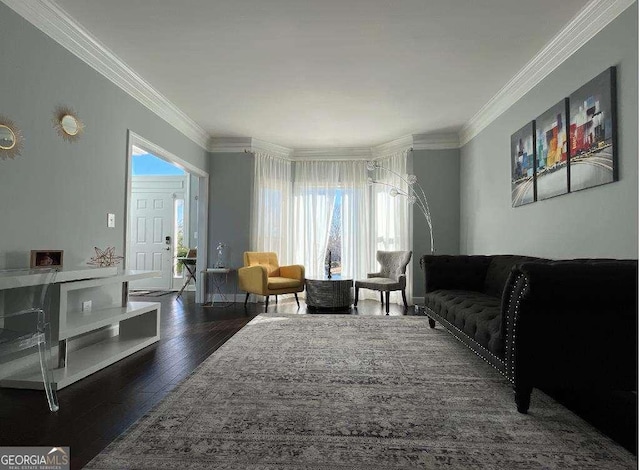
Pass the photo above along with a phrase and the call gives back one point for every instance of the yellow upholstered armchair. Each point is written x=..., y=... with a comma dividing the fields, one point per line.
x=262, y=275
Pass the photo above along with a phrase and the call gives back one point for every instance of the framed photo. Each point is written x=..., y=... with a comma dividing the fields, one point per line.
x=552, y=165
x=593, y=132
x=523, y=158
x=46, y=258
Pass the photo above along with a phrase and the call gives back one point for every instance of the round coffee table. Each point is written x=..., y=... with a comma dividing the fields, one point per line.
x=329, y=294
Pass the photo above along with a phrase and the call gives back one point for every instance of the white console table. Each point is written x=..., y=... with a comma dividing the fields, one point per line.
x=91, y=300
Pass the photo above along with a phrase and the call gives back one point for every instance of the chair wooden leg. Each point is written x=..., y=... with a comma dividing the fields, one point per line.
x=355, y=300
x=266, y=304
x=276, y=300
x=404, y=299
x=382, y=297
x=297, y=301
x=386, y=307
x=246, y=299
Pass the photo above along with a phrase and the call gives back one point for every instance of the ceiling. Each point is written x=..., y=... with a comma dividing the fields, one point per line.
x=328, y=73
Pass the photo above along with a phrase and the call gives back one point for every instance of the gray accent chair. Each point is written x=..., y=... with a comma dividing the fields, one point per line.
x=391, y=277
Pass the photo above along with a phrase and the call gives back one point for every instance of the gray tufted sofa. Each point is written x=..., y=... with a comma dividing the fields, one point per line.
x=543, y=323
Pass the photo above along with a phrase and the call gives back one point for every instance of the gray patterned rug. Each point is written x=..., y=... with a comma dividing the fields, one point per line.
x=352, y=392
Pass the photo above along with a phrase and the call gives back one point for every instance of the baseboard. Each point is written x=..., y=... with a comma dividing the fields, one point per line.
x=227, y=298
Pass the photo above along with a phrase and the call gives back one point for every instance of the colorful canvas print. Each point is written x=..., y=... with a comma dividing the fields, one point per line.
x=523, y=166
x=552, y=173
x=592, y=132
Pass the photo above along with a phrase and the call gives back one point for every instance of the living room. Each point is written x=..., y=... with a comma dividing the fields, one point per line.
x=58, y=192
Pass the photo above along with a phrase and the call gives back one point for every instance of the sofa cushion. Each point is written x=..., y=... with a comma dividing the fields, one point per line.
x=498, y=273
x=380, y=283
x=282, y=283
x=474, y=313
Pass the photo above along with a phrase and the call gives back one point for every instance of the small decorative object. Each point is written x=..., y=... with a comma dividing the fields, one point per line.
x=67, y=124
x=11, y=139
x=413, y=196
x=328, y=264
x=105, y=258
x=593, y=132
x=46, y=258
x=221, y=260
x=523, y=157
x=552, y=169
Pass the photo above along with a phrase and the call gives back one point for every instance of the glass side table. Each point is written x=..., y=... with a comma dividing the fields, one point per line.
x=219, y=280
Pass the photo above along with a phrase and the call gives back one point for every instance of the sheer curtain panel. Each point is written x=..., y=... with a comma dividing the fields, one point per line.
x=314, y=193
x=392, y=216
x=271, y=223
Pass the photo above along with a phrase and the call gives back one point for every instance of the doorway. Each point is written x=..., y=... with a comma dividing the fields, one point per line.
x=158, y=222
x=166, y=205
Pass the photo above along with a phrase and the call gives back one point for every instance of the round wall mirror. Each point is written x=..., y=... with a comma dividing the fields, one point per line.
x=7, y=138
x=70, y=124
x=67, y=124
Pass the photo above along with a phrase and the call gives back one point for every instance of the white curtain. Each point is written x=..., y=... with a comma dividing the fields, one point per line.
x=271, y=224
x=356, y=220
x=326, y=191
x=314, y=193
x=392, y=216
x=295, y=203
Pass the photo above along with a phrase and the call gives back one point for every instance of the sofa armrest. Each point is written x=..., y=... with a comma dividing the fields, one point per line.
x=253, y=279
x=454, y=272
x=294, y=271
x=572, y=324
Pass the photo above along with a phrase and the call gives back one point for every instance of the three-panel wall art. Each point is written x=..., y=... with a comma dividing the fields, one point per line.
x=569, y=147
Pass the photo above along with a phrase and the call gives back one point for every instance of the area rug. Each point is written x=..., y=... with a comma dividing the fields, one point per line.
x=354, y=392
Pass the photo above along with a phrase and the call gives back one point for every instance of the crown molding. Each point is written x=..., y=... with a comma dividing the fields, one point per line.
x=274, y=150
x=394, y=146
x=409, y=142
x=436, y=141
x=332, y=153
x=229, y=144
x=585, y=25
x=62, y=28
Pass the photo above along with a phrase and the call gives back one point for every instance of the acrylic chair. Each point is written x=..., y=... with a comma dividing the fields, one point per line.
x=24, y=320
x=391, y=277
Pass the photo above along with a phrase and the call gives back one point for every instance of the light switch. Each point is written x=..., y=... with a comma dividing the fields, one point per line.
x=111, y=220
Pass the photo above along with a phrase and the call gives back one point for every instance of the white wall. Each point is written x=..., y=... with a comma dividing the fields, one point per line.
x=596, y=222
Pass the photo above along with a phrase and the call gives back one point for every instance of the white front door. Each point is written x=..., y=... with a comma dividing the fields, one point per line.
x=152, y=222
x=151, y=246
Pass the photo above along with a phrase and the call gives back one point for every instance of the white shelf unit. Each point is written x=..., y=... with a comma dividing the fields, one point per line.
x=138, y=325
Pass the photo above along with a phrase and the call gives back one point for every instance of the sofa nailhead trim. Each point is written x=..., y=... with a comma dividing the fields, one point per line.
x=479, y=345
x=521, y=294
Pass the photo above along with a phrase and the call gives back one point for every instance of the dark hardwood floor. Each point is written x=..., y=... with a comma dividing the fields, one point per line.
x=97, y=409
